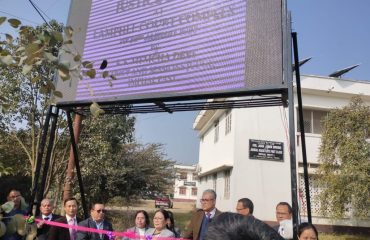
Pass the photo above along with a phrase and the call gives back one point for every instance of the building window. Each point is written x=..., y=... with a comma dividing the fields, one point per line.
x=182, y=190
x=312, y=121
x=228, y=123
x=215, y=182
x=217, y=129
x=227, y=185
x=183, y=176
x=194, y=191
x=201, y=179
x=195, y=176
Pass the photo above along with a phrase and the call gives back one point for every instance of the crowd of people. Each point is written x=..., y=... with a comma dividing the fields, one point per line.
x=206, y=223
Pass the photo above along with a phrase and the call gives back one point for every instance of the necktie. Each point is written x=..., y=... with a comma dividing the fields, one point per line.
x=46, y=218
x=204, y=226
x=72, y=231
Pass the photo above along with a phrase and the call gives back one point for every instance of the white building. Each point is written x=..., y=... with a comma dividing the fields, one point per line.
x=186, y=183
x=229, y=139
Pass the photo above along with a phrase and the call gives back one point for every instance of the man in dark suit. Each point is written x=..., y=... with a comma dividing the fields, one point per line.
x=60, y=233
x=96, y=221
x=198, y=225
x=46, y=209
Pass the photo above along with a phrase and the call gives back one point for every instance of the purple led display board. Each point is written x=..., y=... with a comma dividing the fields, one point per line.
x=176, y=48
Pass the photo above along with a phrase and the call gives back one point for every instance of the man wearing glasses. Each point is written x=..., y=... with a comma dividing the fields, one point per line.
x=15, y=197
x=200, y=220
x=245, y=207
x=284, y=217
x=96, y=221
x=47, y=215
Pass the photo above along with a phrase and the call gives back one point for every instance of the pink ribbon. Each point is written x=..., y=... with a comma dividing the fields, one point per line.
x=101, y=231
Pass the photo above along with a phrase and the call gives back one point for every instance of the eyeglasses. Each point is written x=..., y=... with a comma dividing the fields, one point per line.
x=240, y=209
x=206, y=200
x=101, y=211
x=282, y=213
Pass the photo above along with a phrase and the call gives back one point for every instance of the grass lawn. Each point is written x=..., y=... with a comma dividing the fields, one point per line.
x=122, y=220
x=342, y=237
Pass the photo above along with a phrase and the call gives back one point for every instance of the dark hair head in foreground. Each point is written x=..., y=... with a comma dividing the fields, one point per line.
x=233, y=226
x=307, y=226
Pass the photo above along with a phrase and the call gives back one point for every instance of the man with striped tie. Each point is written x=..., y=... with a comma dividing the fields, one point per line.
x=200, y=220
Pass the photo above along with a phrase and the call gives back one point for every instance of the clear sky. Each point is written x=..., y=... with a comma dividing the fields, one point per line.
x=335, y=33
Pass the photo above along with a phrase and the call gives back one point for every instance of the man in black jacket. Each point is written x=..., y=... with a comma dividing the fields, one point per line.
x=96, y=221
x=62, y=233
x=46, y=209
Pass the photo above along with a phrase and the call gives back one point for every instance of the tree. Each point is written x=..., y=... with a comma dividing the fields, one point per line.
x=28, y=65
x=112, y=164
x=343, y=174
x=4, y=170
x=137, y=170
x=26, y=83
x=12, y=160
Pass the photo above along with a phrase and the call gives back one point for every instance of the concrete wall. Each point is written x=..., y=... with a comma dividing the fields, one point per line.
x=222, y=150
x=265, y=182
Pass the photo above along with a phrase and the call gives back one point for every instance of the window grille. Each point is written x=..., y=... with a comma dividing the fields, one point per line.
x=228, y=123
x=312, y=121
x=217, y=129
x=215, y=182
x=227, y=185
x=182, y=190
x=314, y=192
x=183, y=176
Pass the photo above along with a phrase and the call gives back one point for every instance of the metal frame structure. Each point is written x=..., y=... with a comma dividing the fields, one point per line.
x=256, y=101
x=303, y=136
x=270, y=97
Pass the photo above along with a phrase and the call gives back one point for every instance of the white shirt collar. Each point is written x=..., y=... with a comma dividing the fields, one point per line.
x=69, y=217
x=213, y=212
x=48, y=216
x=99, y=223
x=141, y=231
